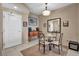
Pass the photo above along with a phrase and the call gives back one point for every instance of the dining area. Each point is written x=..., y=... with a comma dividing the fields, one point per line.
x=54, y=37
x=49, y=44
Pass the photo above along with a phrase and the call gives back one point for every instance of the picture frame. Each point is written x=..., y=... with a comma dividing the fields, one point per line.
x=24, y=24
x=54, y=25
x=65, y=23
x=32, y=21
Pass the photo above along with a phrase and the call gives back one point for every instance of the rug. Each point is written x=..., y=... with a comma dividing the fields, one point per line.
x=34, y=51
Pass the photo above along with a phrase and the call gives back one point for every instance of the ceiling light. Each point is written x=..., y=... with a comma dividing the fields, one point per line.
x=46, y=12
x=15, y=7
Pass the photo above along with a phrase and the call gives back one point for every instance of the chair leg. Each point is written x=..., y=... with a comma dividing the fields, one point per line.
x=49, y=46
x=59, y=48
x=39, y=46
x=53, y=46
x=44, y=48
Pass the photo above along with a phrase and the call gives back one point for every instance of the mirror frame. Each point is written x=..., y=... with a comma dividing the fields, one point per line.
x=59, y=26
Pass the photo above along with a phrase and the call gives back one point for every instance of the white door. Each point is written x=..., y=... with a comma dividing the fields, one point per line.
x=12, y=29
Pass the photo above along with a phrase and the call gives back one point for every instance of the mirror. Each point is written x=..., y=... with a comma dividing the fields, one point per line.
x=54, y=25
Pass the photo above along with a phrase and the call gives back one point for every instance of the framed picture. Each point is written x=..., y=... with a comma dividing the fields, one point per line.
x=24, y=24
x=65, y=23
x=32, y=21
x=54, y=25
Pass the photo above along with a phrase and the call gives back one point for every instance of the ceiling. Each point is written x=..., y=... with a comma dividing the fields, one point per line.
x=37, y=8
x=19, y=7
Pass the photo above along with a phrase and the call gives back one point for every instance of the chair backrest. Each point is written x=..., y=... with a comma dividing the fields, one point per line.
x=41, y=37
x=59, y=37
x=37, y=29
x=55, y=36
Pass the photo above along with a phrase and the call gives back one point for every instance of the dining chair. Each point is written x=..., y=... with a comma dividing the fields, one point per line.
x=58, y=41
x=42, y=41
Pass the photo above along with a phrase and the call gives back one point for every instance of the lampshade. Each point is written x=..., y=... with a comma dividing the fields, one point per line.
x=46, y=12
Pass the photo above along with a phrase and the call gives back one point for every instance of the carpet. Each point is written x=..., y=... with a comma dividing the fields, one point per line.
x=34, y=51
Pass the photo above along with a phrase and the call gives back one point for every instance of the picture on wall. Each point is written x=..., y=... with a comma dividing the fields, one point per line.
x=66, y=23
x=24, y=24
x=32, y=21
x=54, y=25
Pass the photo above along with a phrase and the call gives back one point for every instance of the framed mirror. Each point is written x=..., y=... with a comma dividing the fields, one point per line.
x=54, y=25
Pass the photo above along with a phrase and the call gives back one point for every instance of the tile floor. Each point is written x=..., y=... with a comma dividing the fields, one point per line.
x=72, y=53
x=15, y=51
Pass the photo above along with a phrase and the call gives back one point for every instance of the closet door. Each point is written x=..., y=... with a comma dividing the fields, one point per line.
x=12, y=29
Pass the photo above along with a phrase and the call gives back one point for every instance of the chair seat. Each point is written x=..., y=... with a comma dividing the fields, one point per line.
x=55, y=42
x=46, y=43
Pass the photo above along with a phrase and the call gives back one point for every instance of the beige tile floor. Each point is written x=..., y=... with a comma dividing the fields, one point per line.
x=15, y=51
x=72, y=53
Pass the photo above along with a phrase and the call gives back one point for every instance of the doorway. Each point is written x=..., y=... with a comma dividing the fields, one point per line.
x=12, y=29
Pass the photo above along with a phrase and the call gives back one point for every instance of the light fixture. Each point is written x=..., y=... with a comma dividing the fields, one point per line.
x=46, y=12
x=15, y=7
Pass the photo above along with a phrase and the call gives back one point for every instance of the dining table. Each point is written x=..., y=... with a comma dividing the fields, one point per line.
x=50, y=39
